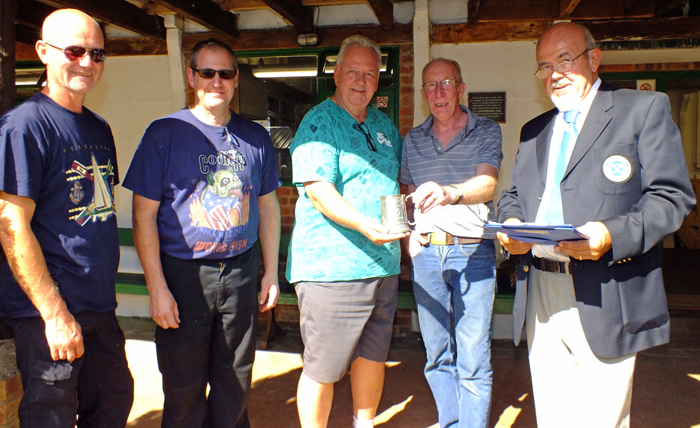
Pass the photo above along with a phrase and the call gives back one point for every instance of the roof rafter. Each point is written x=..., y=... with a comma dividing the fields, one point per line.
x=293, y=11
x=26, y=35
x=473, y=7
x=32, y=13
x=120, y=13
x=384, y=10
x=205, y=13
x=566, y=7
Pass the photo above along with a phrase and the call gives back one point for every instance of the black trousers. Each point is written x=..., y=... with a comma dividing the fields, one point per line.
x=214, y=343
x=96, y=388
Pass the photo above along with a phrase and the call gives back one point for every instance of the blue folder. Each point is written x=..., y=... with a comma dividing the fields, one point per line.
x=548, y=234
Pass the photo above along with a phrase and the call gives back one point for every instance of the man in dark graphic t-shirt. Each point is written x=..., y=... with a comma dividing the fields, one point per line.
x=204, y=183
x=58, y=168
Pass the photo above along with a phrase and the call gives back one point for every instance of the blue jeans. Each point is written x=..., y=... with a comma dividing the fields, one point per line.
x=454, y=286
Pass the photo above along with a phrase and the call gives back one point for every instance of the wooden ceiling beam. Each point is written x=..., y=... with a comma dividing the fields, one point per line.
x=487, y=32
x=32, y=13
x=293, y=11
x=120, y=13
x=384, y=10
x=473, y=7
x=645, y=29
x=239, y=5
x=608, y=30
x=402, y=34
x=285, y=38
x=205, y=13
x=566, y=7
x=549, y=10
x=665, y=6
x=129, y=46
x=26, y=35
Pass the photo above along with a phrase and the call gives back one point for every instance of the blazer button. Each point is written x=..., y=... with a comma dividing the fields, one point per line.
x=526, y=268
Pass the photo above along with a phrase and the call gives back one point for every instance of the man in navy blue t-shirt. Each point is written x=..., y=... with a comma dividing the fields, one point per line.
x=204, y=182
x=58, y=169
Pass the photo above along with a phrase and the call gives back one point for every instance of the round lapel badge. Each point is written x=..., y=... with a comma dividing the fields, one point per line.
x=617, y=169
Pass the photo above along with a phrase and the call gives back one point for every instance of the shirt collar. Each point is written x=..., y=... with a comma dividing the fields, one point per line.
x=472, y=119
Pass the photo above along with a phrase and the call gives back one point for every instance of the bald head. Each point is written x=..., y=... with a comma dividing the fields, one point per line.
x=568, y=30
x=70, y=74
x=66, y=24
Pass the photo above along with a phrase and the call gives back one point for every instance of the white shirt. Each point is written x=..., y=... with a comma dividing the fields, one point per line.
x=547, y=251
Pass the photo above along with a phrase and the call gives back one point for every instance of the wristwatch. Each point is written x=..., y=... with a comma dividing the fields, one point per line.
x=459, y=193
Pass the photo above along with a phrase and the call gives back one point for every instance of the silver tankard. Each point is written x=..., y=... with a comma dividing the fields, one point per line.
x=394, y=213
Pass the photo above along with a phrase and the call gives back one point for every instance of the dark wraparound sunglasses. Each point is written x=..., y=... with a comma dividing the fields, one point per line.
x=208, y=73
x=75, y=53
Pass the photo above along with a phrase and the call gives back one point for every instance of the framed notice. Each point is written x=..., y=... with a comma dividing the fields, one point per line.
x=491, y=105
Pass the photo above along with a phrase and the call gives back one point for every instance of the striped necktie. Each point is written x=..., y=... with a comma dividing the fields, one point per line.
x=554, y=213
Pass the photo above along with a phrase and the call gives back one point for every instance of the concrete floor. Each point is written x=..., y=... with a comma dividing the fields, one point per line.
x=666, y=385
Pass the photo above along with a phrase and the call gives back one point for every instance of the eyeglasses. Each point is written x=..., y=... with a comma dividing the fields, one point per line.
x=446, y=84
x=366, y=133
x=208, y=73
x=75, y=53
x=546, y=70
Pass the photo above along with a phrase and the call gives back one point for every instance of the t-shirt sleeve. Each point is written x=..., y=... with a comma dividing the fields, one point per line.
x=491, y=152
x=314, y=151
x=147, y=169
x=269, y=179
x=21, y=163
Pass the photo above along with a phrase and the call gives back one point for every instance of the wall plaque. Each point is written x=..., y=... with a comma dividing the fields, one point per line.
x=491, y=105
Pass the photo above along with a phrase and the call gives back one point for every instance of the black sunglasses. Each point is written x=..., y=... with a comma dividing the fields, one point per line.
x=75, y=53
x=208, y=73
x=366, y=133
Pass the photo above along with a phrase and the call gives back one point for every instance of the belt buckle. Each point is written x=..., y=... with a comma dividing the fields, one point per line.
x=441, y=238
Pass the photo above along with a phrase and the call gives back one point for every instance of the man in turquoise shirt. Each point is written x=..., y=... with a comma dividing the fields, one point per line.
x=342, y=260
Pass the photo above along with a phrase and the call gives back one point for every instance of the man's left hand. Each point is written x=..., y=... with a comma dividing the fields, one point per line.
x=269, y=291
x=598, y=243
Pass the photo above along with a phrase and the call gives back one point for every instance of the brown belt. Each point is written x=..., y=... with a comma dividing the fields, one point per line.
x=550, y=265
x=442, y=238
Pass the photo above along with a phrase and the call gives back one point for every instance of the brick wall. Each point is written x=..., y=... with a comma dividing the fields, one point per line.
x=406, y=88
x=10, y=385
x=672, y=66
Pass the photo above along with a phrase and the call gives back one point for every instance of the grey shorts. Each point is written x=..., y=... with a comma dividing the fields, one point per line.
x=341, y=321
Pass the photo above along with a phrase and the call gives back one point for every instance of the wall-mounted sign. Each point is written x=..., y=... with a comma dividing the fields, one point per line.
x=382, y=101
x=646, y=85
x=491, y=105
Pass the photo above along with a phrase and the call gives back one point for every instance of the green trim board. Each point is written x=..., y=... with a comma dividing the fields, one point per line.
x=661, y=77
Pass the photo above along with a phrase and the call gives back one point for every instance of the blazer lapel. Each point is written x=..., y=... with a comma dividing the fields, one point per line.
x=596, y=121
x=542, y=147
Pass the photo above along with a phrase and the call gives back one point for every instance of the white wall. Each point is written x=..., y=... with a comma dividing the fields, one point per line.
x=501, y=67
x=509, y=67
x=133, y=92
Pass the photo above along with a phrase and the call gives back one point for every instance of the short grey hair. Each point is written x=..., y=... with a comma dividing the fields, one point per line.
x=360, y=41
x=454, y=63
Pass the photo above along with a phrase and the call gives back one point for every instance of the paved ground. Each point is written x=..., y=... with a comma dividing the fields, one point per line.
x=666, y=389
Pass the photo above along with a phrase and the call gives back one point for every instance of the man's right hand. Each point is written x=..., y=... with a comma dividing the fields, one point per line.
x=378, y=233
x=64, y=336
x=164, y=308
x=511, y=245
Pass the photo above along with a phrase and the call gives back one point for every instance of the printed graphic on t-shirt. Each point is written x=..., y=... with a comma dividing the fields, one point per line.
x=101, y=206
x=223, y=204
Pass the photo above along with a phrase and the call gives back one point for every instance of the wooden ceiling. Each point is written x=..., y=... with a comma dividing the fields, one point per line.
x=488, y=20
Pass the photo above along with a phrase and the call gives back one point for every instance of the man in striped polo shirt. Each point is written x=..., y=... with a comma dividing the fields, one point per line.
x=450, y=164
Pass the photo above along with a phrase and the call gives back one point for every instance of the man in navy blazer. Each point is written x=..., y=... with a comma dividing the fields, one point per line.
x=593, y=304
